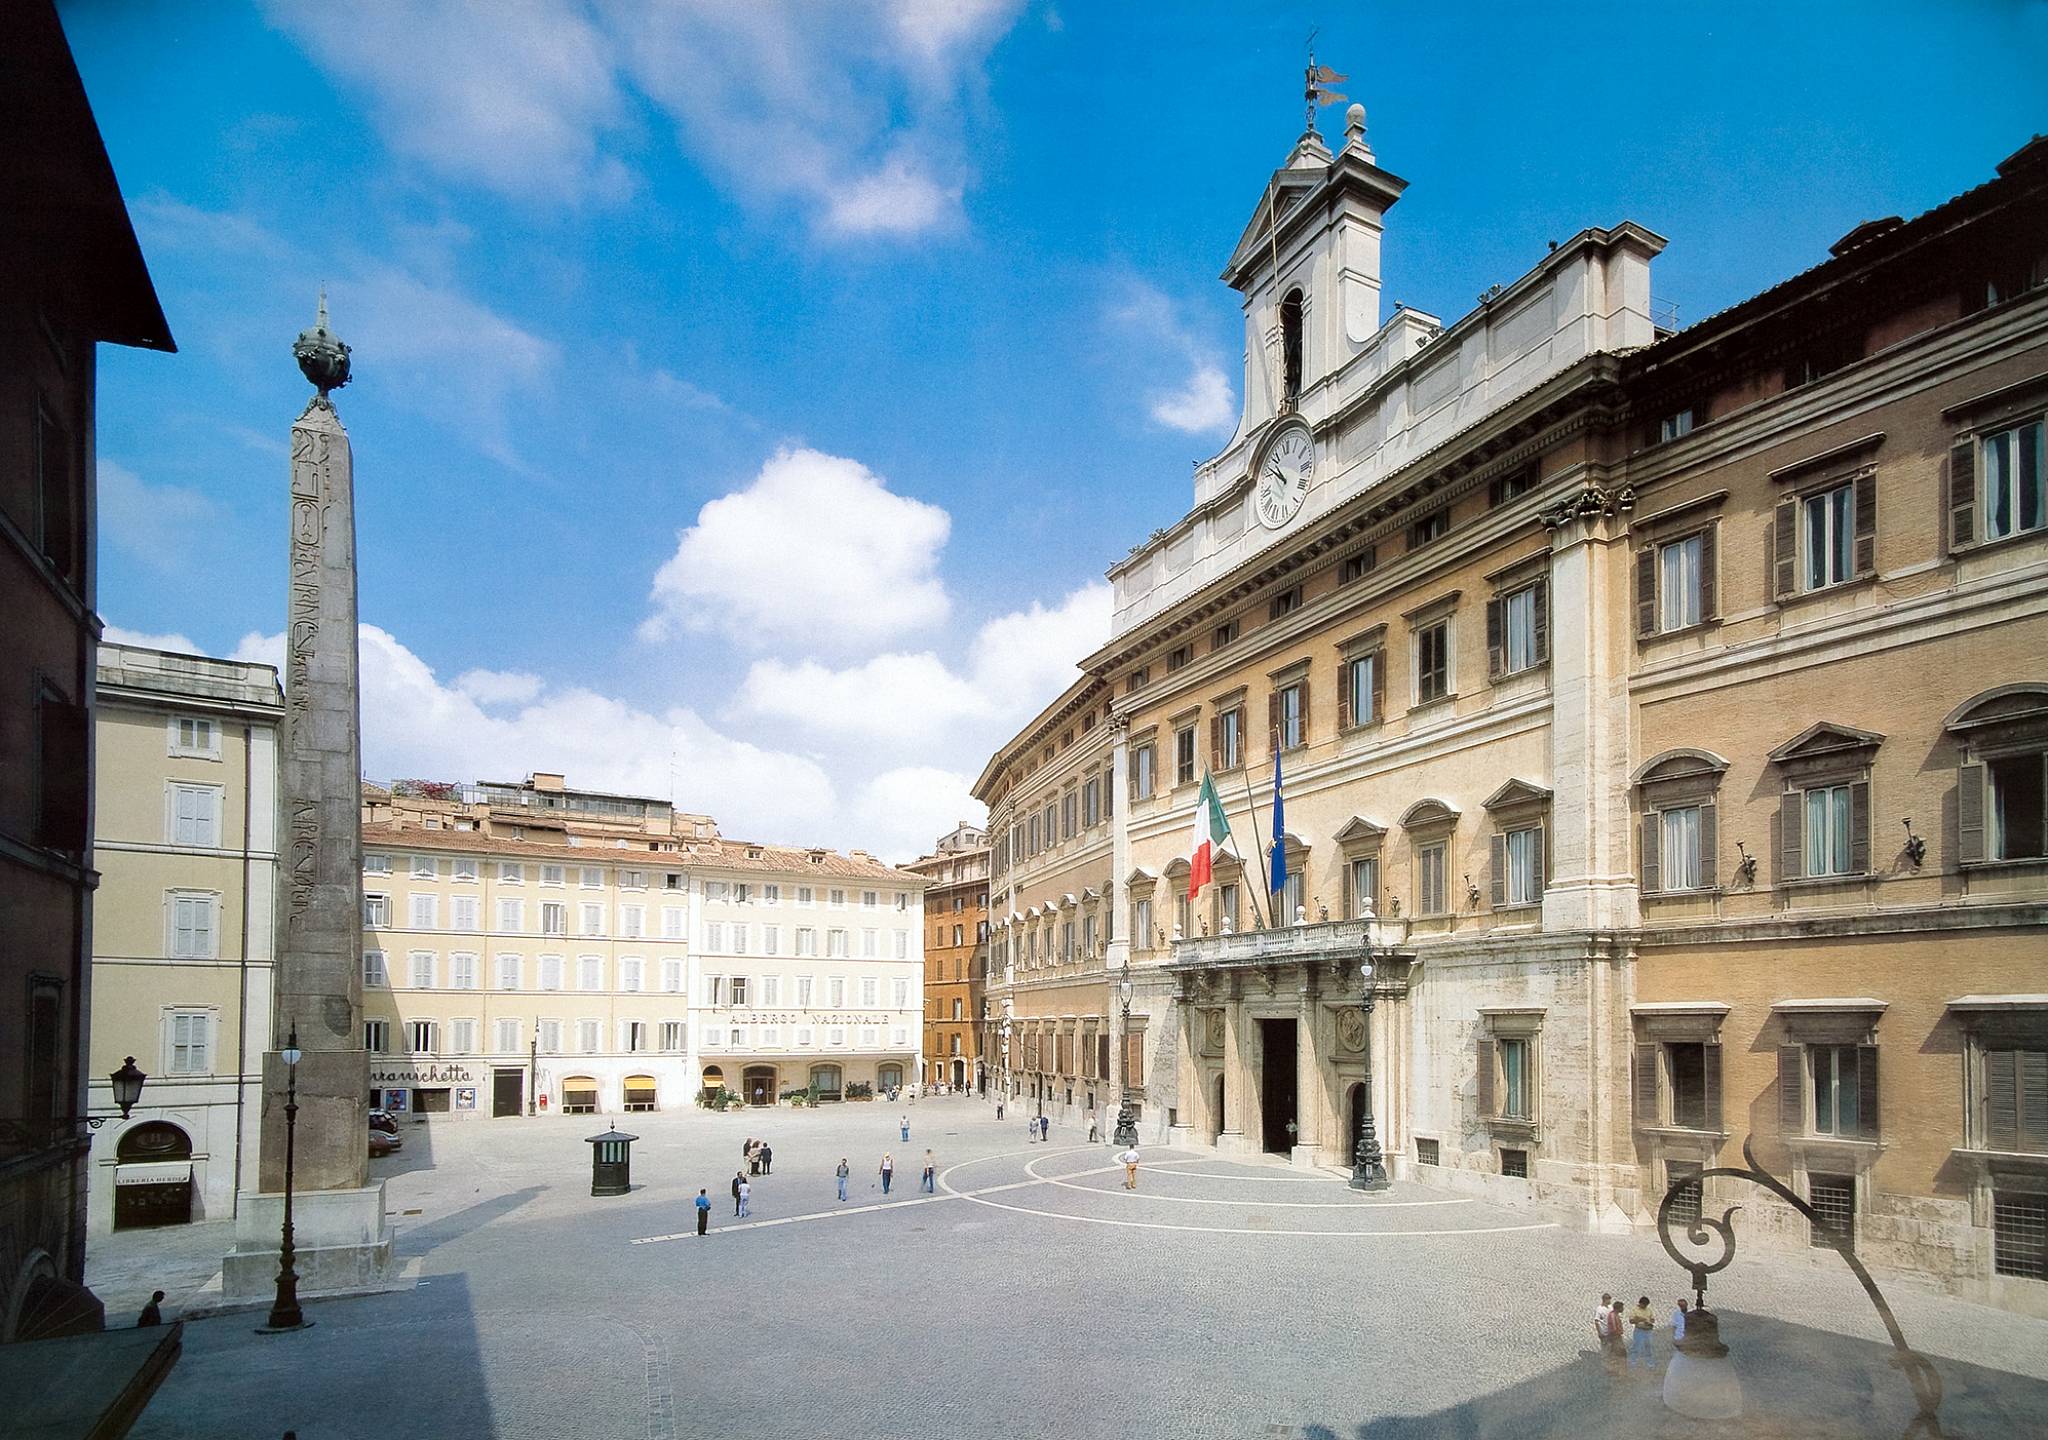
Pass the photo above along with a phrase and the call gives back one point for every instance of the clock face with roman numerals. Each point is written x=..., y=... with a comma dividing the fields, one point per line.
x=1284, y=477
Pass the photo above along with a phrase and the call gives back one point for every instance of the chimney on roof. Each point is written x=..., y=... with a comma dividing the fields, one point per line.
x=543, y=780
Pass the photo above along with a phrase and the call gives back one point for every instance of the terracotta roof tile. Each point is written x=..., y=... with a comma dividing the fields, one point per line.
x=702, y=855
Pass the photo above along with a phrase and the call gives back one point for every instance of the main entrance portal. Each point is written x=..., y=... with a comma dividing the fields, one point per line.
x=1276, y=1085
x=508, y=1091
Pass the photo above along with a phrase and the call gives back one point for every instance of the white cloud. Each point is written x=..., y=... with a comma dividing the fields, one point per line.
x=1202, y=403
x=161, y=526
x=899, y=198
x=908, y=808
x=416, y=727
x=498, y=687
x=1205, y=404
x=119, y=635
x=514, y=96
x=816, y=550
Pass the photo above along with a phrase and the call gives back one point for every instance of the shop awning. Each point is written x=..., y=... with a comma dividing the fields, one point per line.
x=154, y=1172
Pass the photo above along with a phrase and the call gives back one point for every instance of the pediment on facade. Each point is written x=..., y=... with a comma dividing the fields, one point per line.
x=1358, y=830
x=1032, y=914
x=1090, y=895
x=1295, y=845
x=1067, y=901
x=1826, y=740
x=2006, y=705
x=1679, y=764
x=1428, y=812
x=1176, y=868
x=1140, y=876
x=1517, y=793
x=1286, y=190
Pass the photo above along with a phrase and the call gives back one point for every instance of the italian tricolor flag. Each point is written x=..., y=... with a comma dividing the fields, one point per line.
x=1212, y=833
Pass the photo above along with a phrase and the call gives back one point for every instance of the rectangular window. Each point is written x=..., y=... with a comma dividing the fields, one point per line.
x=1687, y=1066
x=195, y=926
x=1836, y=1090
x=462, y=972
x=425, y=867
x=672, y=975
x=1365, y=885
x=1674, y=425
x=1230, y=738
x=2018, y=798
x=1223, y=634
x=465, y=867
x=630, y=974
x=505, y=1039
x=901, y=990
x=194, y=738
x=190, y=1047
x=1141, y=924
x=672, y=1035
x=771, y=894
x=2014, y=465
x=1679, y=848
x=550, y=972
x=376, y=864
x=836, y=989
x=590, y=877
x=1143, y=781
x=549, y=874
x=589, y=972
x=1285, y=603
x=835, y=944
x=1522, y=851
x=1828, y=831
x=462, y=913
x=1514, y=1076
x=1427, y=1152
x=1834, y=1197
x=511, y=872
x=1293, y=717
x=870, y=992
x=195, y=815
x=550, y=1036
x=1137, y=679
x=377, y=1036
x=421, y=1037
x=376, y=911
x=803, y=894
x=1680, y=595
x=1686, y=1208
x=1178, y=657
x=554, y=918
x=740, y=990
x=462, y=1037
x=771, y=939
x=420, y=970
x=1522, y=645
x=1357, y=566
x=1361, y=689
x=425, y=912
x=803, y=992
x=592, y=920
x=633, y=879
x=373, y=968
x=903, y=942
x=634, y=1033
x=2015, y=1106
x=1828, y=520
x=508, y=972
x=1434, y=896
x=806, y=940
x=870, y=900
x=2019, y=1234
x=836, y=899
x=771, y=991
x=1430, y=527
x=1184, y=755
x=1227, y=901
x=587, y=1036
x=1514, y=1163
x=1433, y=661
x=632, y=922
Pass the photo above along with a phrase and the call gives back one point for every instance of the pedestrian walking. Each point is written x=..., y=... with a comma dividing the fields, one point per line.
x=930, y=1177
x=843, y=1172
x=746, y=1194
x=1600, y=1319
x=888, y=1172
x=1094, y=1131
x=1641, y=1321
x=1678, y=1321
x=1129, y=1160
x=152, y=1313
x=739, y=1178
x=703, y=1211
x=1031, y=1131
x=999, y=1109
x=1613, y=1353
x=906, y=1129
x=1045, y=1128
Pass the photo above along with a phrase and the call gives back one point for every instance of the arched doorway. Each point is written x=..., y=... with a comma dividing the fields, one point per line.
x=827, y=1083
x=579, y=1095
x=757, y=1083
x=959, y=1074
x=152, y=1176
x=889, y=1077
x=640, y=1092
x=713, y=1080
x=1355, y=1108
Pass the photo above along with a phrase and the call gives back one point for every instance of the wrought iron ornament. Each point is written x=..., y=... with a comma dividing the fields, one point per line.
x=1919, y=1370
x=323, y=359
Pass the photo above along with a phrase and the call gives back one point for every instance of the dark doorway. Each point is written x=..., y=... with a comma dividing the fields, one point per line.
x=1216, y=1113
x=153, y=1176
x=1356, y=1110
x=1276, y=1084
x=759, y=1084
x=508, y=1092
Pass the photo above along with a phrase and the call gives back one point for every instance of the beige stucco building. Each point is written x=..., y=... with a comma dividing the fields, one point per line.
x=1675, y=696
x=530, y=947
x=186, y=834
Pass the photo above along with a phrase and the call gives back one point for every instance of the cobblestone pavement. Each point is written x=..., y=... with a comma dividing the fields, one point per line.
x=1030, y=1295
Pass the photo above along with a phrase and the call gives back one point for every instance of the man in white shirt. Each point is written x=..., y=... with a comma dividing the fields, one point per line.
x=1130, y=1164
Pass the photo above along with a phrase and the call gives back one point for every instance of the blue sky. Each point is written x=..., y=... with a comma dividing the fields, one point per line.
x=750, y=398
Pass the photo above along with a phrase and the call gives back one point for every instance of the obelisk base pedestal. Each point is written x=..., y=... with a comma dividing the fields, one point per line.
x=341, y=1241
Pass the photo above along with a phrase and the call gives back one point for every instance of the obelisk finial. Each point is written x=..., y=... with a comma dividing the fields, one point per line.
x=322, y=358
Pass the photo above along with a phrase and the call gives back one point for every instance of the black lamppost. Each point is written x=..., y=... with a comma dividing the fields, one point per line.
x=533, y=1070
x=284, y=1310
x=1368, y=1170
x=127, y=1085
x=1126, y=1115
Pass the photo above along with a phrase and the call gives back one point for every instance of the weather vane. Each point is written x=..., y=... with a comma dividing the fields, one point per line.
x=1317, y=83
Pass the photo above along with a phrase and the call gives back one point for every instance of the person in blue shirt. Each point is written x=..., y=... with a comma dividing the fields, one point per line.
x=703, y=1211
x=843, y=1172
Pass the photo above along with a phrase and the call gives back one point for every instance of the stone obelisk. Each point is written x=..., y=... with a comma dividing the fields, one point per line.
x=342, y=1239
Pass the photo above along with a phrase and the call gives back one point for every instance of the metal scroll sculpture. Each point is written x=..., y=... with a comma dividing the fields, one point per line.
x=1919, y=1370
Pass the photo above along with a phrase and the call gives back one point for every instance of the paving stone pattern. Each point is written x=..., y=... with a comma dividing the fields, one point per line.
x=1033, y=1297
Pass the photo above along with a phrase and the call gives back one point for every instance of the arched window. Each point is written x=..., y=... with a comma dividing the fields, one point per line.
x=1290, y=350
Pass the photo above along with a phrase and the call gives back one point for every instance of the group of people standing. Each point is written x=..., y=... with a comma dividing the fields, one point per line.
x=1624, y=1337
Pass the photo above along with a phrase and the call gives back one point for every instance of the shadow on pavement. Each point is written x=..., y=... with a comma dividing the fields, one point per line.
x=1796, y=1381
x=425, y=1238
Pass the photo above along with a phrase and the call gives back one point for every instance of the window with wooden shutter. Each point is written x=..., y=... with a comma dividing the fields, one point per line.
x=1646, y=591
x=1709, y=592
x=1866, y=524
x=1483, y=1062
x=1866, y=1091
x=1710, y=1077
x=1496, y=638
x=1346, y=683
x=1859, y=828
x=1539, y=639
x=1962, y=493
x=1647, y=1112
x=1970, y=814
x=1651, y=877
x=1791, y=1090
x=1498, y=862
x=2001, y=1100
x=1785, y=549
x=1792, y=835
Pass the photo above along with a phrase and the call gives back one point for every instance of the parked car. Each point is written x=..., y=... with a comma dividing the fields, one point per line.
x=382, y=1143
x=384, y=1120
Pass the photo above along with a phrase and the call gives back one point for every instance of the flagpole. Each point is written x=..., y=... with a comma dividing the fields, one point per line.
x=1251, y=802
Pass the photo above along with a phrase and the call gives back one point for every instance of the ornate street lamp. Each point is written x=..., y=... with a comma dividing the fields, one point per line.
x=1368, y=1170
x=1126, y=1115
x=127, y=1085
x=284, y=1310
